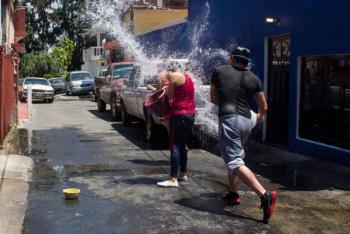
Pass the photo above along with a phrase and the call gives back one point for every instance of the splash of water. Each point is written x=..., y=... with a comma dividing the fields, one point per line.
x=108, y=14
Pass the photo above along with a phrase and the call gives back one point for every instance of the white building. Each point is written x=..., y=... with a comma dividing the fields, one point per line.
x=94, y=54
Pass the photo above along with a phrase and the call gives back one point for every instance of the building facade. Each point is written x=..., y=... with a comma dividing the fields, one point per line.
x=94, y=53
x=12, y=31
x=301, y=53
x=173, y=4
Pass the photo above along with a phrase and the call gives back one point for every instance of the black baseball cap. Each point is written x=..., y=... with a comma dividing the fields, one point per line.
x=242, y=52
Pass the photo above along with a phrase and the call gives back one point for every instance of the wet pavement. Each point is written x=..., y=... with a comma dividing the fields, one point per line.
x=73, y=145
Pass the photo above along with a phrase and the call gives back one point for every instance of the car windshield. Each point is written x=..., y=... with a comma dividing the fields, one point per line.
x=36, y=81
x=81, y=76
x=123, y=71
x=103, y=72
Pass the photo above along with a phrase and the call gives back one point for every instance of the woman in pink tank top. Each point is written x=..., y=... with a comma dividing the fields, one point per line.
x=182, y=115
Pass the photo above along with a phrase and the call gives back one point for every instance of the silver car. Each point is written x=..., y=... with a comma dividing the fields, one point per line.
x=79, y=82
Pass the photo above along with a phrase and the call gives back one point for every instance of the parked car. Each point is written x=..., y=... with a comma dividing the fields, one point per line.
x=79, y=82
x=41, y=89
x=107, y=89
x=134, y=95
x=101, y=75
x=58, y=84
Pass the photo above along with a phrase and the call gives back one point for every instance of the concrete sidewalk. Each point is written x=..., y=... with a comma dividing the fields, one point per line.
x=23, y=113
x=14, y=175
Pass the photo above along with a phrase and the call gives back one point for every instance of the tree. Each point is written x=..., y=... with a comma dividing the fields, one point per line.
x=44, y=64
x=63, y=54
x=49, y=21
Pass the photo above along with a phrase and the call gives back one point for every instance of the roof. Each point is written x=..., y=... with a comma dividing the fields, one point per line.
x=79, y=72
x=37, y=78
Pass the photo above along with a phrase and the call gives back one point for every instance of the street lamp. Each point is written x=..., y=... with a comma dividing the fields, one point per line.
x=271, y=20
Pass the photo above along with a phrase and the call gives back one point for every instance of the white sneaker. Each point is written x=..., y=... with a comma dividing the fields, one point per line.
x=168, y=184
x=183, y=178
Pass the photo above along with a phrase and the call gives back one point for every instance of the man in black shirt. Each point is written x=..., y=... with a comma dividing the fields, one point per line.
x=232, y=89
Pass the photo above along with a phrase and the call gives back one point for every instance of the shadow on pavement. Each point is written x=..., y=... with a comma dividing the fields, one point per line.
x=155, y=163
x=211, y=203
x=136, y=134
x=296, y=172
x=141, y=181
x=106, y=116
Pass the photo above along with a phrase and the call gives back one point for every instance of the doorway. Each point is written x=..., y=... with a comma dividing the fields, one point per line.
x=278, y=90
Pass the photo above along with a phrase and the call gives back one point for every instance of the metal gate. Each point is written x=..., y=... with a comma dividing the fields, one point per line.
x=278, y=90
x=8, y=98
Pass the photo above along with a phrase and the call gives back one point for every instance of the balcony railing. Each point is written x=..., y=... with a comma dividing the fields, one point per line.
x=94, y=53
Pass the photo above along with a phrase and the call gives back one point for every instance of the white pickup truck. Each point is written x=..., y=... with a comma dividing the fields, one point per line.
x=134, y=95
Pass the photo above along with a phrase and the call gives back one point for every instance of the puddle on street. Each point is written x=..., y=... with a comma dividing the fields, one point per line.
x=300, y=175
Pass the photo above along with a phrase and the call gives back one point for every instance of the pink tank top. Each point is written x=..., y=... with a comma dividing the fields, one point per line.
x=184, y=100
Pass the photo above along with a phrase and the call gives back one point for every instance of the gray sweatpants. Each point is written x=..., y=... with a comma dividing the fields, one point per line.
x=234, y=131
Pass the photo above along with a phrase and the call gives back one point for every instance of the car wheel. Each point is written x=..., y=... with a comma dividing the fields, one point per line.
x=101, y=105
x=125, y=117
x=115, y=111
x=152, y=130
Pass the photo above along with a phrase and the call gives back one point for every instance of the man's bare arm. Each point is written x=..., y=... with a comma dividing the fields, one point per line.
x=261, y=100
x=213, y=95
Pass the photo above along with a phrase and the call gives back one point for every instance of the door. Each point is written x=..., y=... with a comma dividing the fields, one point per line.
x=278, y=90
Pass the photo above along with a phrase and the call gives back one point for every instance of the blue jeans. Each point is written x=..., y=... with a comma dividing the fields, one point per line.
x=180, y=132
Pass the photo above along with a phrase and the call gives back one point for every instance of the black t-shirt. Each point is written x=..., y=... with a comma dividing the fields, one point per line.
x=235, y=89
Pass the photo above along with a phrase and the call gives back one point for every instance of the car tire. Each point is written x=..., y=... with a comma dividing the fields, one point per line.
x=101, y=105
x=152, y=130
x=50, y=100
x=125, y=117
x=115, y=110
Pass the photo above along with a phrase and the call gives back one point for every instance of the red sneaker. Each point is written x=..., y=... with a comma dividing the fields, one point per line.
x=268, y=204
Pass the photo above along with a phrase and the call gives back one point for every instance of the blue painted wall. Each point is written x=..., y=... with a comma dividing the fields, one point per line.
x=317, y=27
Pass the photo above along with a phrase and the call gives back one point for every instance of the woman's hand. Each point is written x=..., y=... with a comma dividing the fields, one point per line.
x=151, y=88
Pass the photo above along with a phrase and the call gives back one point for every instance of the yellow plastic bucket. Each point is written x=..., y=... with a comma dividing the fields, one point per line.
x=71, y=193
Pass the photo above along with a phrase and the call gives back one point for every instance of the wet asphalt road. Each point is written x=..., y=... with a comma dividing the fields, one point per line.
x=73, y=145
x=116, y=169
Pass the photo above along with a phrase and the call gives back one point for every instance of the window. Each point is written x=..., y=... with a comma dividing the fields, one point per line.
x=122, y=71
x=81, y=76
x=325, y=100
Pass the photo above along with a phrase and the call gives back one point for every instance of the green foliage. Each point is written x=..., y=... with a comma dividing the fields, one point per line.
x=50, y=20
x=47, y=76
x=63, y=54
x=48, y=65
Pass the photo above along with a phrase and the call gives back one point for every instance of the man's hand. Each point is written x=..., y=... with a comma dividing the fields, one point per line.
x=261, y=100
x=260, y=118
